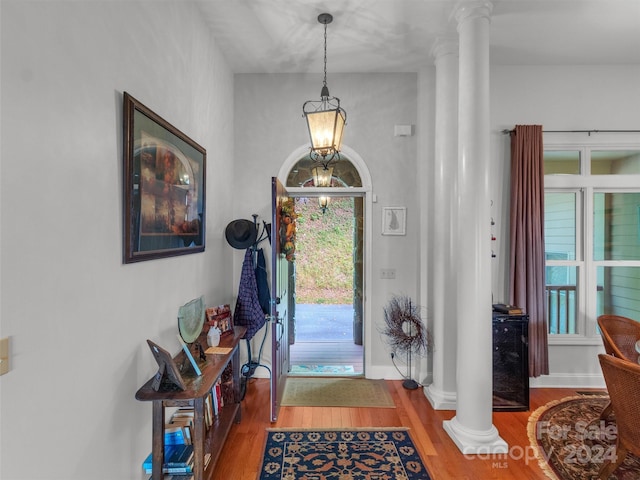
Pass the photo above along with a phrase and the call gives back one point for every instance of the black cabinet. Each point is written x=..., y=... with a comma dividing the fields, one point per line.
x=510, y=362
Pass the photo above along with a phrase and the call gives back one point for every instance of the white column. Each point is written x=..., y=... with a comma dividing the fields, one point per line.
x=442, y=391
x=472, y=429
x=425, y=144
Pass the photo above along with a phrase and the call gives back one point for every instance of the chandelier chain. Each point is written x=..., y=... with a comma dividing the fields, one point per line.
x=325, y=55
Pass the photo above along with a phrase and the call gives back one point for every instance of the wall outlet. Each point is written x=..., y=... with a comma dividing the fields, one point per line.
x=388, y=273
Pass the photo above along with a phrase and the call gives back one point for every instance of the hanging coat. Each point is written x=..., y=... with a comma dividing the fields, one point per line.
x=264, y=295
x=248, y=312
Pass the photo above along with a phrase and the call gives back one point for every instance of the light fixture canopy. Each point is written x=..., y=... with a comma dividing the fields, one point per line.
x=325, y=118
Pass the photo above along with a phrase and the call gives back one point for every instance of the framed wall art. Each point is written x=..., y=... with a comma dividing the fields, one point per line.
x=164, y=187
x=394, y=220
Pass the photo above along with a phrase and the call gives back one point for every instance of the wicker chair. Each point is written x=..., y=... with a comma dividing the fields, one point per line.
x=619, y=336
x=623, y=383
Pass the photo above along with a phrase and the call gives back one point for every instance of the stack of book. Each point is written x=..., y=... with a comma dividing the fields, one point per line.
x=508, y=309
x=178, y=449
x=178, y=476
x=178, y=459
x=178, y=430
x=186, y=476
x=216, y=395
x=221, y=393
x=181, y=476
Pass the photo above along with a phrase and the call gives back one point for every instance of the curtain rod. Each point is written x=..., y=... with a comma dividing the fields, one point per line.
x=589, y=132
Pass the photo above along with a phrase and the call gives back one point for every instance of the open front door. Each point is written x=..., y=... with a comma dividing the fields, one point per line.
x=279, y=299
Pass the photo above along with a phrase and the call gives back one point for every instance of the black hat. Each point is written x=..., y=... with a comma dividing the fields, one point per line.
x=241, y=234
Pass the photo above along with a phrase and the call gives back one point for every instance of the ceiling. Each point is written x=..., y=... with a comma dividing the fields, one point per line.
x=269, y=36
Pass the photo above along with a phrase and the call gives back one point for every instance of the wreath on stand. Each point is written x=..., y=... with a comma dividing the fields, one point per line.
x=406, y=332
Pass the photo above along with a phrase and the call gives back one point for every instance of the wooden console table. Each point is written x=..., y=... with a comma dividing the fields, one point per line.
x=204, y=440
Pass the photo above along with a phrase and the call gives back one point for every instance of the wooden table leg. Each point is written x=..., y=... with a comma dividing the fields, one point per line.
x=158, y=440
x=198, y=438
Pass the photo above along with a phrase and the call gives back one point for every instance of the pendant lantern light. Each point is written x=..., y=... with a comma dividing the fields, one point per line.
x=322, y=176
x=323, y=203
x=325, y=118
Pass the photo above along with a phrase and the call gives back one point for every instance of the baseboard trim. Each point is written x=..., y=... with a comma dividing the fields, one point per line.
x=568, y=380
x=439, y=399
x=384, y=372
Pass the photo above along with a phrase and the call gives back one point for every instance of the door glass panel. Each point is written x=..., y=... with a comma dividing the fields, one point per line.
x=561, y=162
x=618, y=291
x=616, y=229
x=615, y=162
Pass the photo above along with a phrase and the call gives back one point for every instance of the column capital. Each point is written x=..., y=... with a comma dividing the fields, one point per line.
x=445, y=46
x=467, y=10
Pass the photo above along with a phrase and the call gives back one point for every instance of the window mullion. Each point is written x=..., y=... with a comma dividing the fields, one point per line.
x=590, y=283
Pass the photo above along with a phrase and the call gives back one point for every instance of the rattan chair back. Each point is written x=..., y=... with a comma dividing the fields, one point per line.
x=619, y=336
x=623, y=383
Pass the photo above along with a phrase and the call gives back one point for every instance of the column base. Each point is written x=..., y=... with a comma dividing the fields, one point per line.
x=475, y=442
x=439, y=399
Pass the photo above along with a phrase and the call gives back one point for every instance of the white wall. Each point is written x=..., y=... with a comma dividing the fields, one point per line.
x=558, y=98
x=269, y=126
x=76, y=316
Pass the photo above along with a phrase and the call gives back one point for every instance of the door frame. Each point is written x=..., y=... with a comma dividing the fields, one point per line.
x=366, y=192
x=279, y=313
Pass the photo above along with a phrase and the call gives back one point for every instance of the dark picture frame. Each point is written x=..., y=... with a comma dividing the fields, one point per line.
x=164, y=187
x=168, y=376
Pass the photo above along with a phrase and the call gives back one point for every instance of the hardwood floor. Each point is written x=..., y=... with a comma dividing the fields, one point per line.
x=242, y=454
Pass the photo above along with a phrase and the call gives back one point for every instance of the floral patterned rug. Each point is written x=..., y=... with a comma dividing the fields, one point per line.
x=571, y=442
x=356, y=454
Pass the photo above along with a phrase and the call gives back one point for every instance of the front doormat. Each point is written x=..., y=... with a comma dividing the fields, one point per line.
x=354, y=454
x=322, y=370
x=336, y=392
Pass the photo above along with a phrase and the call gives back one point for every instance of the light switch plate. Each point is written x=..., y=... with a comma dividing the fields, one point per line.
x=4, y=355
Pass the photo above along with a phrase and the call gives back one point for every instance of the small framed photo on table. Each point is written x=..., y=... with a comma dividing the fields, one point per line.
x=394, y=220
x=221, y=318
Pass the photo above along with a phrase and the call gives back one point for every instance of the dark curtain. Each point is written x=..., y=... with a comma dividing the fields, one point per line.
x=527, y=262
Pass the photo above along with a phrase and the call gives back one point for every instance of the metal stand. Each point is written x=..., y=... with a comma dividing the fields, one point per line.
x=409, y=383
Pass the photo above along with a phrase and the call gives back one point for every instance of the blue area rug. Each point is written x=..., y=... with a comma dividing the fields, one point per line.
x=356, y=454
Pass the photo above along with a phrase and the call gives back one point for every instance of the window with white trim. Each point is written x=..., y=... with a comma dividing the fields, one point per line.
x=592, y=237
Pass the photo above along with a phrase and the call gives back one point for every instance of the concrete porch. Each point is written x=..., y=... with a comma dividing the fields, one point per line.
x=324, y=342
